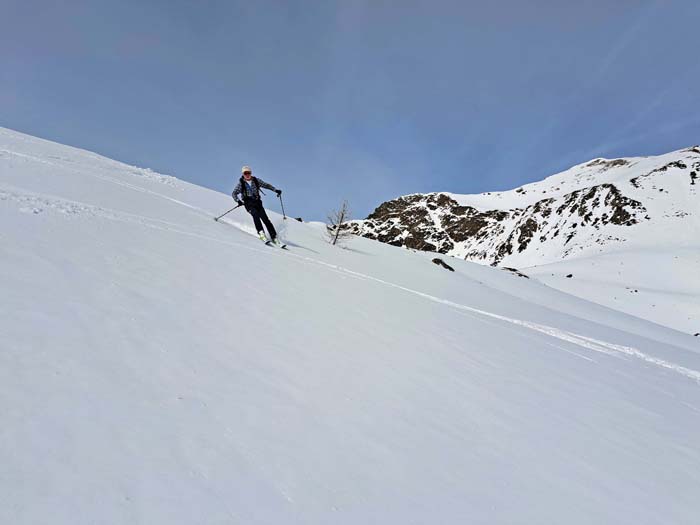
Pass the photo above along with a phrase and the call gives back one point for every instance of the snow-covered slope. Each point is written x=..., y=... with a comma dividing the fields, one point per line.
x=662, y=285
x=642, y=212
x=159, y=367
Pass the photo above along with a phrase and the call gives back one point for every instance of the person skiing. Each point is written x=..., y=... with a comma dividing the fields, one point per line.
x=247, y=193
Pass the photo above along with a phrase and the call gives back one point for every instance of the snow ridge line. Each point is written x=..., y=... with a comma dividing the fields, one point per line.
x=110, y=164
x=73, y=207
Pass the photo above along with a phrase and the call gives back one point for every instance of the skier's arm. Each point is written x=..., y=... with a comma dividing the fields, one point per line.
x=266, y=185
x=237, y=192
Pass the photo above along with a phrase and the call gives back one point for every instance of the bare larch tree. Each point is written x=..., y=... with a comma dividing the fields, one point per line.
x=336, y=228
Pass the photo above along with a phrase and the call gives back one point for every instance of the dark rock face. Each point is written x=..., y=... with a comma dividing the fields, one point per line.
x=622, y=208
x=436, y=222
x=432, y=222
x=516, y=272
x=526, y=232
x=442, y=263
x=605, y=164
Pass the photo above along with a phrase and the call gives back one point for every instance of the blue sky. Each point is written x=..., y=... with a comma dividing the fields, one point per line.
x=357, y=100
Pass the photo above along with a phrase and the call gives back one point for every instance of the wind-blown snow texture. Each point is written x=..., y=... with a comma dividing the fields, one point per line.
x=618, y=227
x=159, y=367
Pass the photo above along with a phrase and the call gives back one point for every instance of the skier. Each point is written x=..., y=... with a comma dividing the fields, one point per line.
x=247, y=193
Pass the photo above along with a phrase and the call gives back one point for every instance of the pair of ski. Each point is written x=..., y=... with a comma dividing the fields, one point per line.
x=263, y=238
x=278, y=244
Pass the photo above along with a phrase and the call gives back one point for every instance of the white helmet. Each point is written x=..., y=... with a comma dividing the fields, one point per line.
x=246, y=168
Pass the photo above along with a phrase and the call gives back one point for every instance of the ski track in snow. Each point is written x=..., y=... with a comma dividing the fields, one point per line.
x=36, y=203
x=579, y=340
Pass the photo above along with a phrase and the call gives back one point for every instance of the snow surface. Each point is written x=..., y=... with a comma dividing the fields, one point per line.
x=660, y=285
x=159, y=367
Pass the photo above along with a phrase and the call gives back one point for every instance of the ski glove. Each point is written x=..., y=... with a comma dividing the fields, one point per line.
x=239, y=202
x=278, y=192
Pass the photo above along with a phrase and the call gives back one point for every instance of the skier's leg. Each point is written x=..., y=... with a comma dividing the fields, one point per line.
x=253, y=210
x=268, y=223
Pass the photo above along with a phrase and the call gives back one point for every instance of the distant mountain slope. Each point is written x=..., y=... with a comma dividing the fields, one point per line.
x=157, y=367
x=595, y=207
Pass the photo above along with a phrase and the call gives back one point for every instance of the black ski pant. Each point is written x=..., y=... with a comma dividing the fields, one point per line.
x=255, y=208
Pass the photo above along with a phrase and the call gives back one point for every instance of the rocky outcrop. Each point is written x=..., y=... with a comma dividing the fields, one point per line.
x=438, y=223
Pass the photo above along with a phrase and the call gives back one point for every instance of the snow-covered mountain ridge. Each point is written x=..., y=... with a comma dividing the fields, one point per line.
x=596, y=207
x=159, y=367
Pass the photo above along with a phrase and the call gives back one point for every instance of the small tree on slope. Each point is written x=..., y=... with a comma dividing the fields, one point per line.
x=336, y=228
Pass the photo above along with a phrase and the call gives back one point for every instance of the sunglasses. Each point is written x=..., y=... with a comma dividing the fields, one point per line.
x=246, y=173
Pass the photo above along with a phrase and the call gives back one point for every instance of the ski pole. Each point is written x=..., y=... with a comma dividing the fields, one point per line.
x=217, y=218
x=284, y=215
